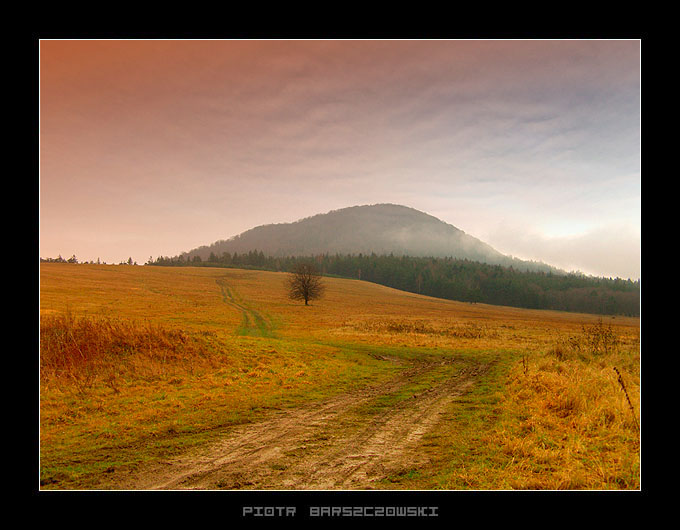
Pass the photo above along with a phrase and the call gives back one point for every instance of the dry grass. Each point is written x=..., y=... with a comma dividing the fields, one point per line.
x=467, y=330
x=87, y=351
x=569, y=419
x=560, y=420
x=137, y=362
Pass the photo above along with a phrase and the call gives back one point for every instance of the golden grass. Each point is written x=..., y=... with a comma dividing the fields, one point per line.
x=558, y=419
x=573, y=415
x=137, y=362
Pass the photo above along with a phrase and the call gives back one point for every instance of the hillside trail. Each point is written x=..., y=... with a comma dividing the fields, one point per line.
x=253, y=322
x=335, y=444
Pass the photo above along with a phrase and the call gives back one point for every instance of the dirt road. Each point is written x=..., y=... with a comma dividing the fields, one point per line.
x=346, y=442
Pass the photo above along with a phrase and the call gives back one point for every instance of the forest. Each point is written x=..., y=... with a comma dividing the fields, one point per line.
x=450, y=278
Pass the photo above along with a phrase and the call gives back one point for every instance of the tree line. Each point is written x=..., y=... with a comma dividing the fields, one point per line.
x=450, y=278
x=73, y=259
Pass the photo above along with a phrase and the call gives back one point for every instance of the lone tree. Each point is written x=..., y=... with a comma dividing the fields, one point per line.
x=304, y=283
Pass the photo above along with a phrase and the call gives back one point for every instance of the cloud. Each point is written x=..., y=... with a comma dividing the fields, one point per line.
x=612, y=250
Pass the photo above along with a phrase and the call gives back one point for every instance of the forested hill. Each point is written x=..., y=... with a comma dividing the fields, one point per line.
x=453, y=279
x=379, y=228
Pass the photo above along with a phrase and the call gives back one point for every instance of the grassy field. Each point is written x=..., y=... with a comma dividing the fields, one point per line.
x=142, y=363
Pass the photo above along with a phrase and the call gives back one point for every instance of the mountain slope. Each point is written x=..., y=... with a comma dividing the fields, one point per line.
x=380, y=229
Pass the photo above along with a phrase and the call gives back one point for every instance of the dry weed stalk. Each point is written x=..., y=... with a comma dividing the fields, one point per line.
x=630, y=404
x=600, y=339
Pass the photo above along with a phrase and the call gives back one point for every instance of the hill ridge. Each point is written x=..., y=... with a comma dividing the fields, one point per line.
x=381, y=228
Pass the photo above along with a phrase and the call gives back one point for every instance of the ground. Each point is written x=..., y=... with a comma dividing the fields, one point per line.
x=203, y=378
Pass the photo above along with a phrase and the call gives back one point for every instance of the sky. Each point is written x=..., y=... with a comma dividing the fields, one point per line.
x=156, y=147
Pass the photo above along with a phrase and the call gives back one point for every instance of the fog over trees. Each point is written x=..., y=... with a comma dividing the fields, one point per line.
x=410, y=250
x=380, y=229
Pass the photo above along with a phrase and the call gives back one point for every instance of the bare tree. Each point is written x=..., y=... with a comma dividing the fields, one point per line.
x=305, y=283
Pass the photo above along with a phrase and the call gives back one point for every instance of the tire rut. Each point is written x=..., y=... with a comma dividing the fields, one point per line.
x=252, y=322
x=323, y=446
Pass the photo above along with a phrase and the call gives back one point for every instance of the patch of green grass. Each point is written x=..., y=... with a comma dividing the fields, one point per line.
x=425, y=381
x=401, y=477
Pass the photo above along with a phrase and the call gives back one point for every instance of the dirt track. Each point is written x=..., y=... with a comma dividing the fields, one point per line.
x=336, y=444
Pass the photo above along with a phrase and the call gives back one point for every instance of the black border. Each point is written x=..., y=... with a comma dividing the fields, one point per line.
x=454, y=506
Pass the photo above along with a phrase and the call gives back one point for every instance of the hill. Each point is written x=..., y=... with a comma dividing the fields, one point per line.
x=382, y=229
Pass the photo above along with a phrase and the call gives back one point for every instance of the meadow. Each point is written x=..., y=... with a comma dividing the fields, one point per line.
x=139, y=364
